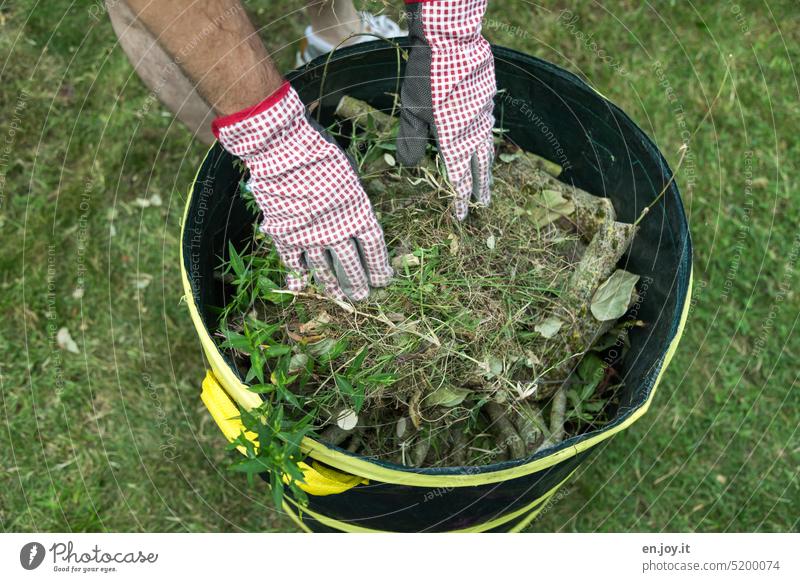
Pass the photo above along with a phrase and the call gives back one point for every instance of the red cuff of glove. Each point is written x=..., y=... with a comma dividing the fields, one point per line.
x=226, y=120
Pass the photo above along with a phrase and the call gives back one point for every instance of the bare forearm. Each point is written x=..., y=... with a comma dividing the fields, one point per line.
x=216, y=45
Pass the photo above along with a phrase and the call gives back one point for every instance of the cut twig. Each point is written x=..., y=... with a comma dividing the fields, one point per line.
x=360, y=113
x=531, y=426
x=334, y=435
x=505, y=430
x=557, y=414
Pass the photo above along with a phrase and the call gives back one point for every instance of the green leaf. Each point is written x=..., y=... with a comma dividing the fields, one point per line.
x=276, y=485
x=447, y=397
x=594, y=406
x=256, y=367
x=591, y=371
x=383, y=378
x=612, y=298
x=549, y=327
x=236, y=341
x=344, y=385
x=275, y=351
x=355, y=366
x=355, y=394
x=335, y=351
x=236, y=262
x=262, y=388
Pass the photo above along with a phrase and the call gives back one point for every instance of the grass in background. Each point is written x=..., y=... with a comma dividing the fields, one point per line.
x=114, y=437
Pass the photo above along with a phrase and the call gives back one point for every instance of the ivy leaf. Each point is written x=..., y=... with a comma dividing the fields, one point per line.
x=612, y=298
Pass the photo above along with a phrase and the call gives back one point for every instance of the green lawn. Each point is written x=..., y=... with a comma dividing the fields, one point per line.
x=115, y=437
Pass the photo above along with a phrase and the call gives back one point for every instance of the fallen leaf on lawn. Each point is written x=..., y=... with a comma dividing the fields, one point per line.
x=142, y=280
x=612, y=298
x=547, y=206
x=65, y=341
x=491, y=242
x=347, y=419
x=549, y=327
x=447, y=397
x=403, y=261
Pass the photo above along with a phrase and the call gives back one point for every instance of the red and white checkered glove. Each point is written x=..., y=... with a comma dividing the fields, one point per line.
x=448, y=93
x=314, y=207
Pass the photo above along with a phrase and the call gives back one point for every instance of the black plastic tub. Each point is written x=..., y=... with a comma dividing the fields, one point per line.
x=550, y=112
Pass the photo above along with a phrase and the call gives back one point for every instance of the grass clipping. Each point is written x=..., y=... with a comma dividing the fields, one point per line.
x=488, y=345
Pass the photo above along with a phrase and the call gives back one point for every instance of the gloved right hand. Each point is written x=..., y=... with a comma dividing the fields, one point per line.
x=448, y=93
x=314, y=207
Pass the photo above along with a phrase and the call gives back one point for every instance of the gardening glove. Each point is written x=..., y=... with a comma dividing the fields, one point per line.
x=448, y=93
x=314, y=207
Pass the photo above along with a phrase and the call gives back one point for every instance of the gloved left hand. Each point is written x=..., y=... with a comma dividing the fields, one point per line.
x=314, y=207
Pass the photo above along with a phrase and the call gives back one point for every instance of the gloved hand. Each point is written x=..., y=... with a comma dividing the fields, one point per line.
x=448, y=93
x=314, y=207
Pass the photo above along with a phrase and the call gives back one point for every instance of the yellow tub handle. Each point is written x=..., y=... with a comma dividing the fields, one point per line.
x=318, y=479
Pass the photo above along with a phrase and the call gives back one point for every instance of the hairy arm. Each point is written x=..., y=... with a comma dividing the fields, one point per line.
x=215, y=44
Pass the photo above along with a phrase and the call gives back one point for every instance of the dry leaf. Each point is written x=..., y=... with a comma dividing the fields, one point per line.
x=403, y=261
x=612, y=298
x=547, y=206
x=142, y=280
x=455, y=245
x=402, y=427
